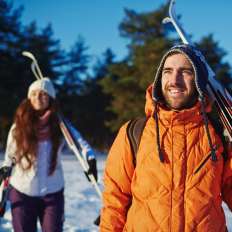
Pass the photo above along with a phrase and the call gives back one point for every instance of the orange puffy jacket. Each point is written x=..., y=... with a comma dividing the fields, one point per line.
x=182, y=194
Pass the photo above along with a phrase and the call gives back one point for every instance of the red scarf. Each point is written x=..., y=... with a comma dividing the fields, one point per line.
x=43, y=126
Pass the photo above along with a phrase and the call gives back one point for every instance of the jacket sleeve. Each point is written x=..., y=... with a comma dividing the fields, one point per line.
x=227, y=178
x=10, y=148
x=117, y=180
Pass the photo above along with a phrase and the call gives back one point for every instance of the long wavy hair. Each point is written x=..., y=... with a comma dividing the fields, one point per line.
x=26, y=119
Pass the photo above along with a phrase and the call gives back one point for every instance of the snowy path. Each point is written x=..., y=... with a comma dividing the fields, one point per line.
x=82, y=204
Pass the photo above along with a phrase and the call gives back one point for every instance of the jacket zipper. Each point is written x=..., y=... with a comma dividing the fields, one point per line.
x=205, y=160
x=202, y=164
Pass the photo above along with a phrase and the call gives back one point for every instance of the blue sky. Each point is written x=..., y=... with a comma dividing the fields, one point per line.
x=70, y=18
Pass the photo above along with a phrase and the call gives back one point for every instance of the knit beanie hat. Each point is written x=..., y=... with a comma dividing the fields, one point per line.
x=198, y=63
x=43, y=84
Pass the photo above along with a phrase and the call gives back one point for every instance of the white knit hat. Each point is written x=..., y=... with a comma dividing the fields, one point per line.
x=42, y=84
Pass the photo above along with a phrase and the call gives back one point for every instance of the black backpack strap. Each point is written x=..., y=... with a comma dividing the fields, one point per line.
x=134, y=132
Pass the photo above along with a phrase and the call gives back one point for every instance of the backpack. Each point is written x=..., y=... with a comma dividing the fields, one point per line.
x=136, y=126
x=134, y=132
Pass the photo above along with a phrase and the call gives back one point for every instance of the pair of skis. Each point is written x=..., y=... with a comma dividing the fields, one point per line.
x=66, y=131
x=218, y=94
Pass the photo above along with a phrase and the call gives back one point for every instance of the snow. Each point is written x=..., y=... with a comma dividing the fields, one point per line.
x=82, y=204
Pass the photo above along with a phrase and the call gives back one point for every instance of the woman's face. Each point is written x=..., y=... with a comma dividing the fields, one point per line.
x=39, y=100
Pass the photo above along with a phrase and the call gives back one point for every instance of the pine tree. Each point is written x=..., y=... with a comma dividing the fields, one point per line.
x=15, y=69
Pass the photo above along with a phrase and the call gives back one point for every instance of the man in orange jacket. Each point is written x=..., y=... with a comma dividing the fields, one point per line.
x=180, y=177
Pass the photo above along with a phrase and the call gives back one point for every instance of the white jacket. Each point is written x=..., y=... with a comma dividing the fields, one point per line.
x=36, y=181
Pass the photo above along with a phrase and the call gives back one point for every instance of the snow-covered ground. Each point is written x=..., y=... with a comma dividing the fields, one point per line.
x=82, y=204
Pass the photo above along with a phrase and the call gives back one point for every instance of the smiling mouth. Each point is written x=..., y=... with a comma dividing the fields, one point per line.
x=175, y=92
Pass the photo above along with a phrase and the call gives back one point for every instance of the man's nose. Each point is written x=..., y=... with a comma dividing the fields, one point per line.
x=176, y=78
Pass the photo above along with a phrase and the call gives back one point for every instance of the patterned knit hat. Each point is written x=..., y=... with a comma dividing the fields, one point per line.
x=42, y=84
x=198, y=63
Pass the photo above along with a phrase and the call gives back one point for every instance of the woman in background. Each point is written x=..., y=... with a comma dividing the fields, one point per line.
x=35, y=143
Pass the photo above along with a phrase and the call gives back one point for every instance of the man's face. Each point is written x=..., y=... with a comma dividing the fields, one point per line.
x=177, y=82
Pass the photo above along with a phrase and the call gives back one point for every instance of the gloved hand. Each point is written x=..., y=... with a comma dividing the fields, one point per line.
x=92, y=168
x=4, y=173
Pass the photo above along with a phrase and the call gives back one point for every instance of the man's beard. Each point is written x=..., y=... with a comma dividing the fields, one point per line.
x=186, y=102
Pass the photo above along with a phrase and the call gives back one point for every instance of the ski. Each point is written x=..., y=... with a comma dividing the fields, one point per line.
x=65, y=129
x=75, y=147
x=218, y=94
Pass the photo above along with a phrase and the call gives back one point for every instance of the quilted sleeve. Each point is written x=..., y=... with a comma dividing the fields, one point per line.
x=117, y=182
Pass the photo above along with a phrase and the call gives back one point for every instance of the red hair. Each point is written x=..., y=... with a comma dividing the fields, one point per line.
x=26, y=119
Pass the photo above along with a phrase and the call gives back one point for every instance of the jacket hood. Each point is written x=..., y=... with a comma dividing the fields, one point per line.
x=198, y=63
x=149, y=106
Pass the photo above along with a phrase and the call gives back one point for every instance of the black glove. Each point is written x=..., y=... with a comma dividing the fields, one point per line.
x=92, y=168
x=4, y=172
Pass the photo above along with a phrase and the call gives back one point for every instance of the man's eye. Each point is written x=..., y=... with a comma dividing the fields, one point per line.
x=187, y=72
x=166, y=71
